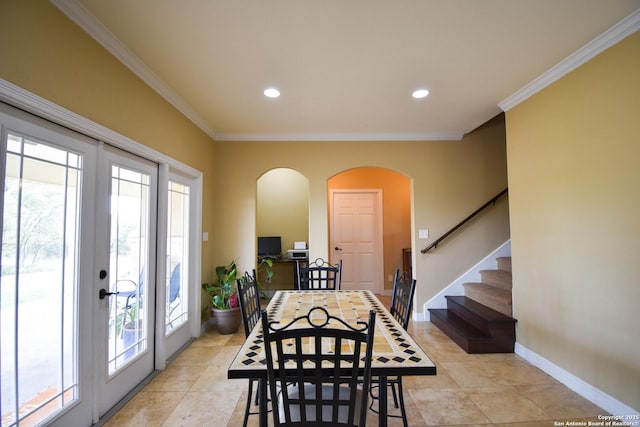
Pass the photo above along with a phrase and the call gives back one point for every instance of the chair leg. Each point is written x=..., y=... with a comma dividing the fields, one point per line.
x=257, y=396
x=394, y=394
x=246, y=409
x=402, y=409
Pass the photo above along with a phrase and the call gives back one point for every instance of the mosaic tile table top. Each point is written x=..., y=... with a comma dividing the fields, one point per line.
x=394, y=351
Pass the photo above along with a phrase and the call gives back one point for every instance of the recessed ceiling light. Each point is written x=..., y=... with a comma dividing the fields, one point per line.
x=271, y=92
x=420, y=93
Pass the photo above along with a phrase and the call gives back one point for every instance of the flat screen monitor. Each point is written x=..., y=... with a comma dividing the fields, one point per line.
x=269, y=246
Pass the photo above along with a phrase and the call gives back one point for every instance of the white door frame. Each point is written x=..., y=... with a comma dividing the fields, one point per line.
x=41, y=107
x=36, y=127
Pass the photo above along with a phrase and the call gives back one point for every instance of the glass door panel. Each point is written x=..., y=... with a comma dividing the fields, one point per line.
x=126, y=253
x=129, y=252
x=177, y=301
x=41, y=274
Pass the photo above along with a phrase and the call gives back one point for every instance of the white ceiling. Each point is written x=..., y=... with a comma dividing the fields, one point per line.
x=345, y=68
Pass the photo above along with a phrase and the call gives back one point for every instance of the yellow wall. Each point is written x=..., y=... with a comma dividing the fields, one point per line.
x=396, y=210
x=574, y=178
x=283, y=206
x=46, y=54
x=450, y=180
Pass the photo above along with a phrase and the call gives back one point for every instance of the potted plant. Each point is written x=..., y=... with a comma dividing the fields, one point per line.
x=128, y=326
x=224, y=298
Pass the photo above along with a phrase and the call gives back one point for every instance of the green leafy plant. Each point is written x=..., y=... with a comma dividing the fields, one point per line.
x=267, y=265
x=126, y=317
x=223, y=293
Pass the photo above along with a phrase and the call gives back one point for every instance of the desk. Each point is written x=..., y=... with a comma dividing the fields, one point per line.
x=395, y=353
x=285, y=274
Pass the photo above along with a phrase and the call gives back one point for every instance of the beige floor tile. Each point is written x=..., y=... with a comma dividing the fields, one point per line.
x=425, y=382
x=447, y=407
x=147, y=408
x=474, y=374
x=560, y=402
x=204, y=409
x=176, y=377
x=472, y=390
x=518, y=372
x=506, y=405
x=198, y=355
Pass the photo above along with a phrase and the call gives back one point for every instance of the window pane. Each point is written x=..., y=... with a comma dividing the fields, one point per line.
x=39, y=281
x=129, y=213
x=177, y=303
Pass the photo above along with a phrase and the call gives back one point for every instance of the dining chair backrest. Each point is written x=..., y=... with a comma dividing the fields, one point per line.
x=249, y=301
x=402, y=297
x=174, y=284
x=320, y=275
x=317, y=368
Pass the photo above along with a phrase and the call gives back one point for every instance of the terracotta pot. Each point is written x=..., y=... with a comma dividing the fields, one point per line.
x=228, y=320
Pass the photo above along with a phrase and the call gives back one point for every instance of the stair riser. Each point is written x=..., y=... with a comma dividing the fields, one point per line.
x=497, y=278
x=504, y=263
x=474, y=346
x=469, y=316
x=450, y=332
x=494, y=329
x=483, y=298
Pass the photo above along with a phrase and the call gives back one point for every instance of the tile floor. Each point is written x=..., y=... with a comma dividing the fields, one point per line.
x=469, y=390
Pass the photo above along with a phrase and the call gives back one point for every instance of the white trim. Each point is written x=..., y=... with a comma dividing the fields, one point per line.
x=34, y=104
x=584, y=389
x=80, y=15
x=77, y=13
x=613, y=35
x=381, y=136
x=25, y=100
x=470, y=276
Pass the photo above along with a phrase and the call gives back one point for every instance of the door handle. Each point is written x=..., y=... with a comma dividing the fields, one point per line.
x=337, y=248
x=103, y=293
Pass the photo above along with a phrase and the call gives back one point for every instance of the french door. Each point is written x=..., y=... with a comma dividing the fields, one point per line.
x=77, y=283
x=46, y=282
x=126, y=265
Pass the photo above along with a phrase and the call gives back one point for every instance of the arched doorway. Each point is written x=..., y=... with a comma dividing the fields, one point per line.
x=282, y=210
x=395, y=191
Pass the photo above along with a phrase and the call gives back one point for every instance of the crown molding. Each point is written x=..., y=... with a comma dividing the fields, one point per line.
x=77, y=13
x=613, y=35
x=428, y=136
x=23, y=99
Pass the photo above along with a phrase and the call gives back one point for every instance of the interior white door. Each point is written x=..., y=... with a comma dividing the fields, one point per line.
x=356, y=237
x=46, y=292
x=126, y=264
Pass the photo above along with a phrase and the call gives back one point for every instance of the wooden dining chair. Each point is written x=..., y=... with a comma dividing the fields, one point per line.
x=320, y=275
x=401, y=302
x=249, y=301
x=319, y=369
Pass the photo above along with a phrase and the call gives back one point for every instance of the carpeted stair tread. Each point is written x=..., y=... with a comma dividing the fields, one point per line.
x=498, y=278
x=495, y=298
x=504, y=263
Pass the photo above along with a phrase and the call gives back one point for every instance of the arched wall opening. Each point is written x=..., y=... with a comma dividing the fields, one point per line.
x=282, y=210
x=396, y=212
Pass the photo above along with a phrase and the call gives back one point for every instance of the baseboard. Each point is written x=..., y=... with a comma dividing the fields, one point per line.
x=584, y=389
x=456, y=288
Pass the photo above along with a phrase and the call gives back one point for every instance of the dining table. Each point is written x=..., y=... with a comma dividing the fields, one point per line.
x=395, y=353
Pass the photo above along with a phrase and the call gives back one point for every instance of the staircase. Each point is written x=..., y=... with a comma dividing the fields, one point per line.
x=480, y=321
